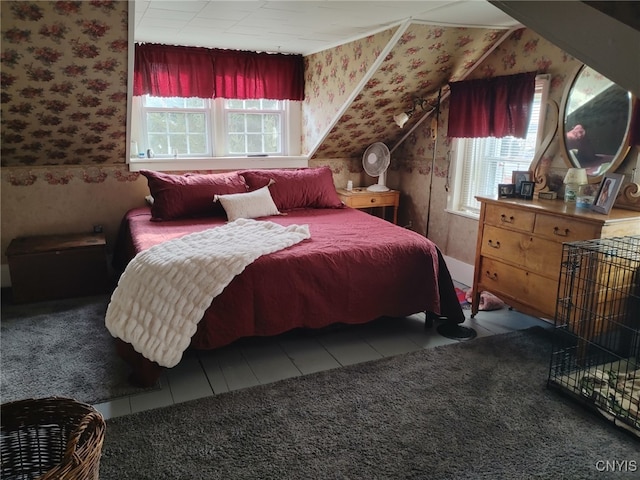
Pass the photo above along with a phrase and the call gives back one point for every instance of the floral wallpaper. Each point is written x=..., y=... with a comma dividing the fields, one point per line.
x=424, y=58
x=63, y=88
x=522, y=51
x=330, y=77
x=64, y=84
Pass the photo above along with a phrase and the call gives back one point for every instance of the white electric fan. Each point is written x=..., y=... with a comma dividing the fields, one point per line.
x=375, y=161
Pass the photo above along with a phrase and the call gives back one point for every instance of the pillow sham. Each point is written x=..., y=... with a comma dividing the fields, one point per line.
x=297, y=188
x=257, y=203
x=190, y=195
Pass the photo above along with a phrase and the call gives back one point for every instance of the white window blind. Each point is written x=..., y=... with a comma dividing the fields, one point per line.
x=483, y=163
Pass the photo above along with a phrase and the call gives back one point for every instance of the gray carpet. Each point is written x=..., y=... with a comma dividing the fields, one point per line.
x=60, y=348
x=473, y=410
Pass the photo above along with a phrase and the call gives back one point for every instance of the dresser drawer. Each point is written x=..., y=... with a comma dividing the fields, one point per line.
x=524, y=250
x=508, y=282
x=565, y=229
x=509, y=217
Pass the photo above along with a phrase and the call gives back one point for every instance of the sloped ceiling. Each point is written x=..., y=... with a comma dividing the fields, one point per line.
x=590, y=32
x=625, y=12
x=423, y=59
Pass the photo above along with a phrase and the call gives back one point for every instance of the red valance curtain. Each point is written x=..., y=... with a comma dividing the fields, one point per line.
x=246, y=75
x=175, y=71
x=171, y=71
x=491, y=107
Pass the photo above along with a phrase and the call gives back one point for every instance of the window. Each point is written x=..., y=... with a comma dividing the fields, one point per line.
x=176, y=126
x=188, y=133
x=254, y=126
x=483, y=163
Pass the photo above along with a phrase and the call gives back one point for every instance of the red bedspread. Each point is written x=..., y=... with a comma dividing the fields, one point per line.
x=355, y=268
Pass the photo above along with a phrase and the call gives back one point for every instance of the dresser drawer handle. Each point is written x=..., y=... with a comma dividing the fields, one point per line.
x=493, y=245
x=557, y=231
x=491, y=276
x=504, y=219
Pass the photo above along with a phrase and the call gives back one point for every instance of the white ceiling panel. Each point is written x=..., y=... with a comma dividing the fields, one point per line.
x=296, y=26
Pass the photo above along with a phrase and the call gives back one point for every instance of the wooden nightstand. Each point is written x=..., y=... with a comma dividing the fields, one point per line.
x=361, y=198
x=57, y=266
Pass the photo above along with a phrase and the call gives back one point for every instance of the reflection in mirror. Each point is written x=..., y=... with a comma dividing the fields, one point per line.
x=596, y=117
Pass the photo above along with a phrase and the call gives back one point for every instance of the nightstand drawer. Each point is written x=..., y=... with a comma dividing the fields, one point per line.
x=378, y=200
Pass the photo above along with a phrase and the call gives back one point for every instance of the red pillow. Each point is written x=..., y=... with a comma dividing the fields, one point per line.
x=190, y=195
x=297, y=188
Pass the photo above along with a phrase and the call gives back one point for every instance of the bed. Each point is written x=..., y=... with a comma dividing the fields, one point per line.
x=353, y=268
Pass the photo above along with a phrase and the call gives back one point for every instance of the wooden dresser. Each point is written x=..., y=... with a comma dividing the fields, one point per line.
x=519, y=249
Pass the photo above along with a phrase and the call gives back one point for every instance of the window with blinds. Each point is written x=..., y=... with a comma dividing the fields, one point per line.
x=483, y=163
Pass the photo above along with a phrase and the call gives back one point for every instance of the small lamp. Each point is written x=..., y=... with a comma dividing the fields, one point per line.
x=401, y=119
x=574, y=180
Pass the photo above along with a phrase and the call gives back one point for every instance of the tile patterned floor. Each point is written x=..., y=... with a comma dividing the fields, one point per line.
x=258, y=361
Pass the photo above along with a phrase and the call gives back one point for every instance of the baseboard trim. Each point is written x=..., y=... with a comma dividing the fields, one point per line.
x=460, y=271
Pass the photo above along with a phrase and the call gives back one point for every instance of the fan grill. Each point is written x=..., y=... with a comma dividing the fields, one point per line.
x=375, y=162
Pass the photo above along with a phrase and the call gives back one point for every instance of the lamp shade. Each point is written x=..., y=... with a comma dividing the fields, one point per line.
x=576, y=176
x=401, y=119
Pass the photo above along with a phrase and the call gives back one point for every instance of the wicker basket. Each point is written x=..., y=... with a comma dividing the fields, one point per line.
x=50, y=438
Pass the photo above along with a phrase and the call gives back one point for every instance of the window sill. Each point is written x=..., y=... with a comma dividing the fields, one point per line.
x=216, y=163
x=470, y=215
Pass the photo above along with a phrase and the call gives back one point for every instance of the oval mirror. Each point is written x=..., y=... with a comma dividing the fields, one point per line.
x=595, y=117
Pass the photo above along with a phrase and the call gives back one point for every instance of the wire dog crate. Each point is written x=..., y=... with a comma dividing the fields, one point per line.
x=596, y=349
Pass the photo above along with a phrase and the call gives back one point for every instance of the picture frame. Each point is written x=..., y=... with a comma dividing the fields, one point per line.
x=506, y=190
x=526, y=190
x=519, y=176
x=607, y=192
x=547, y=195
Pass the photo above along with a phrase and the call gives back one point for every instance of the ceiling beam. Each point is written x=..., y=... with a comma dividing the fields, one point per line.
x=605, y=44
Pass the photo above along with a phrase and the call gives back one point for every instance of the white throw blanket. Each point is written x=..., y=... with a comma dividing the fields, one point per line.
x=164, y=291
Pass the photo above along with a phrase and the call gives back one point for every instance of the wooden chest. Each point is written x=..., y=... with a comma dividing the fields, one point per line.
x=519, y=250
x=57, y=266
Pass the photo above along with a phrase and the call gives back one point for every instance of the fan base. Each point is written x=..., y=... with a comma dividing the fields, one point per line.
x=377, y=188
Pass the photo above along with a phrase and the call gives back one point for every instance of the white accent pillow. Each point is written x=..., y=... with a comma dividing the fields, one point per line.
x=248, y=205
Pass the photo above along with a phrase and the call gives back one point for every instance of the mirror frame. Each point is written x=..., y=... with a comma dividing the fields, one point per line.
x=624, y=148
